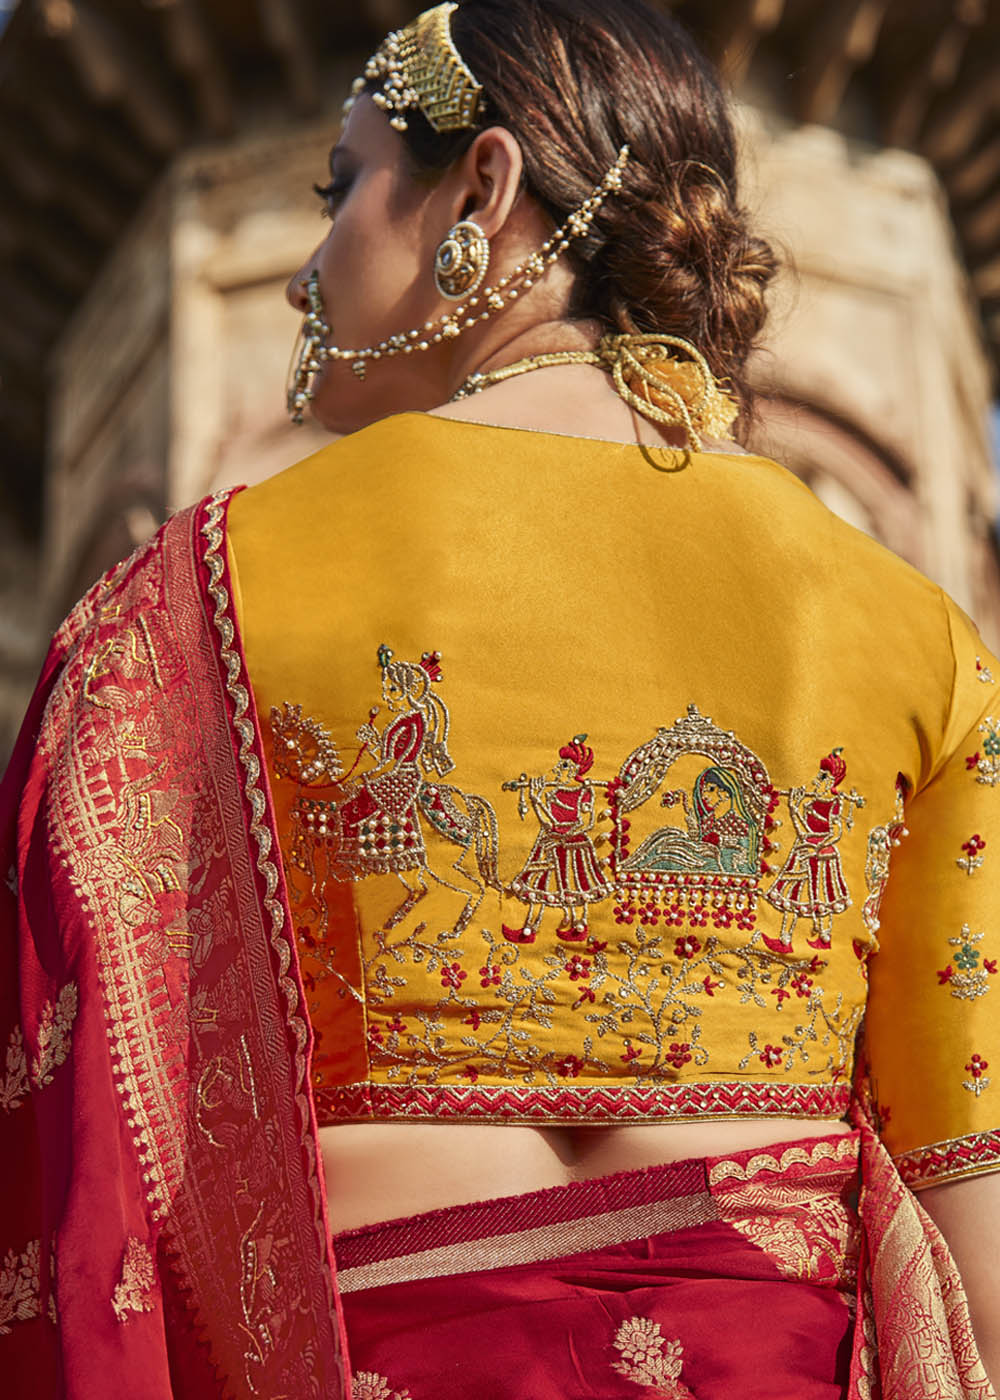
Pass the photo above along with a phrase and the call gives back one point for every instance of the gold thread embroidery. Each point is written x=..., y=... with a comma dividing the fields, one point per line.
x=972, y=978
x=20, y=1286
x=987, y=762
x=983, y=672
x=841, y=1149
x=369, y=1385
x=650, y=1359
x=133, y=1292
x=55, y=1034
x=51, y=1308
x=260, y=832
x=14, y=1085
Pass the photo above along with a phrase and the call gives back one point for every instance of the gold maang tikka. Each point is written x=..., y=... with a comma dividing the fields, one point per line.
x=314, y=350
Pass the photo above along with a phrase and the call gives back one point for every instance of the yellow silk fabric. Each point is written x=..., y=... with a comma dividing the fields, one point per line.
x=578, y=588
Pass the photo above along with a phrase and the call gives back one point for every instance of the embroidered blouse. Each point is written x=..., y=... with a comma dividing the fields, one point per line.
x=616, y=785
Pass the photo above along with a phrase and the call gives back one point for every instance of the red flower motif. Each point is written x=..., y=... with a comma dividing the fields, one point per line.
x=473, y=1019
x=802, y=984
x=990, y=964
x=569, y=1067
x=687, y=946
x=745, y=919
x=595, y=945
x=624, y=913
x=375, y=1034
x=884, y=1114
x=452, y=975
x=673, y=914
x=816, y=964
x=977, y=1066
x=945, y=974
x=305, y=935
x=489, y=976
x=972, y=760
x=631, y=1053
x=397, y=1024
x=578, y=968
x=781, y=994
x=974, y=845
x=771, y=1055
x=698, y=916
x=680, y=1054
x=722, y=918
x=586, y=994
x=471, y=1073
x=711, y=987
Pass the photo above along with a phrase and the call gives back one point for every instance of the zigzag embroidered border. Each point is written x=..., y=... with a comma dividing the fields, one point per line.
x=593, y=1103
x=949, y=1160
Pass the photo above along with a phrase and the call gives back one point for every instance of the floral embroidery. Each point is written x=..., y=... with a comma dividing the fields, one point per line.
x=972, y=978
x=54, y=1035
x=133, y=1292
x=14, y=1085
x=368, y=1385
x=977, y=1068
x=972, y=859
x=983, y=672
x=53, y=1045
x=986, y=761
x=650, y=1359
x=20, y=1286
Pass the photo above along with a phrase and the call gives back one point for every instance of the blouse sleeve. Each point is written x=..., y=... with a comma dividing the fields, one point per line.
x=933, y=1020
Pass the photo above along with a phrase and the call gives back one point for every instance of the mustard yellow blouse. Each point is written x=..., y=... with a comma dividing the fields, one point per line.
x=618, y=785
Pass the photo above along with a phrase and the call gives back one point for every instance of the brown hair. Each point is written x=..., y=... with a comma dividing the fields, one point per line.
x=574, y=80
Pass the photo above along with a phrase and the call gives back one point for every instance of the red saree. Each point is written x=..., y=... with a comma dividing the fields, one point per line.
x=163, y=1228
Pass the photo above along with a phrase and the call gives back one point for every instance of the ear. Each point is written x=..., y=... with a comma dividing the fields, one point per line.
x=490, y=173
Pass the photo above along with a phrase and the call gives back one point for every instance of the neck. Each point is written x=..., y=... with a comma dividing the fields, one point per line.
x=504, y=347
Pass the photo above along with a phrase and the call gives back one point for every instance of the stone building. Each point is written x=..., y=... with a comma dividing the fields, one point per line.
x=157, y=159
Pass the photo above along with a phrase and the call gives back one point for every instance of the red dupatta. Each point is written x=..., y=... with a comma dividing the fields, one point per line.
x=163, y=1228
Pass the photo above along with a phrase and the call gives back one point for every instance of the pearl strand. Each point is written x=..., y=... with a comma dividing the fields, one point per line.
x=493, y=298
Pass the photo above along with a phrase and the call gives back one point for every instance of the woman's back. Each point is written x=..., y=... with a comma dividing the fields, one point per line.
x=613, y=854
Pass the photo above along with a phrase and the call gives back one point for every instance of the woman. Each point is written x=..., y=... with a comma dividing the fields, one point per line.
x=719, y=835
x=550, y=1169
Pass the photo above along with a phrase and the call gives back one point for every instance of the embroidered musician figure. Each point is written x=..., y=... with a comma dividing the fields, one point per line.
x=810, y=884
x=563, y=870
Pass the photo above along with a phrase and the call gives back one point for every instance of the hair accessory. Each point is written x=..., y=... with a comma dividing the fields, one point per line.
x=461, y=261
x=314, y=348
x=421, y=68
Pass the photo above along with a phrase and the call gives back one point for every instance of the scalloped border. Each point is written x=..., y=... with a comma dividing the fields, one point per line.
x=261, y=831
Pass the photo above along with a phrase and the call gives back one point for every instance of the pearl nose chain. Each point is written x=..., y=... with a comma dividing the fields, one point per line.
x=314, y=350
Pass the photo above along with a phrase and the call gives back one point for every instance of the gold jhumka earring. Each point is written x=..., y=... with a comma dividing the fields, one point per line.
x=663, y=377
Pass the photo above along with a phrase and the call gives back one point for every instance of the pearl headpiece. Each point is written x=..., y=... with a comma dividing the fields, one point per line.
x=420, y=68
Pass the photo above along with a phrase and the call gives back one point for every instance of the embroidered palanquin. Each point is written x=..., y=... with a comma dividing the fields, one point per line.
x=589, y=765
